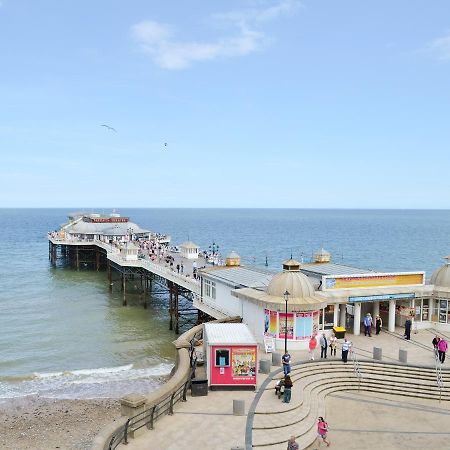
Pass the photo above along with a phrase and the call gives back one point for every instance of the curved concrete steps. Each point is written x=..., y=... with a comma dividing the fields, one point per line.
x=274, y=421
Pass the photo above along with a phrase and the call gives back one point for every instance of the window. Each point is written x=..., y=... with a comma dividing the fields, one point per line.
x=222, y=357
x=425, y=309
x=210, y=288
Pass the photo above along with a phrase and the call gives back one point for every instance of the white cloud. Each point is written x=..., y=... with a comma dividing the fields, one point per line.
x=159, y=42
x=441, y=47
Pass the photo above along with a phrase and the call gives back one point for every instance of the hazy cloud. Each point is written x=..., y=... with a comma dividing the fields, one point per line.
x=245, y=36
x=441, y=47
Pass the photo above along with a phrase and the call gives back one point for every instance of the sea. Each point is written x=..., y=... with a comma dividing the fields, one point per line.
x=64, y=335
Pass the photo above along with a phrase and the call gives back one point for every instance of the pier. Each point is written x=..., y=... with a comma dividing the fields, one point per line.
x=115, y=249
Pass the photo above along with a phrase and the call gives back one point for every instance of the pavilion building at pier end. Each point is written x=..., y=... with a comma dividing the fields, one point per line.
x=310, y=298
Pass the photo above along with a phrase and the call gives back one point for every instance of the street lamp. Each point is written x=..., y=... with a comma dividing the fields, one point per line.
x=286, y=298
x=214, y=248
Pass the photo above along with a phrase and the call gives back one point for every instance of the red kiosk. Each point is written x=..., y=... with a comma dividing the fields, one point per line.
x=231, y=354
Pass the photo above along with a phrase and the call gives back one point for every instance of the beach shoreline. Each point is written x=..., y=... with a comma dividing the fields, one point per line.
x=42, y=424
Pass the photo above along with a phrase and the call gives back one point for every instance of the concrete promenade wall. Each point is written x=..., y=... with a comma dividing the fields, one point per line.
x=178, y=378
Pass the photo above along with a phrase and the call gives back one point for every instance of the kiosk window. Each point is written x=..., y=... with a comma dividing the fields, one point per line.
x=222, y=358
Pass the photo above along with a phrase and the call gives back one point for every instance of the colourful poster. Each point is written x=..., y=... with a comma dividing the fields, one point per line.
x=290, y=325
x=243, y=362
x=270, y=323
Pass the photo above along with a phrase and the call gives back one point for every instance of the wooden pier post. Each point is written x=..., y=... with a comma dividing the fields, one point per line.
x=170, y=304
x=78, y=258
x=124, y=289
x=97, y=260
x=177, y=316
x=109, y=277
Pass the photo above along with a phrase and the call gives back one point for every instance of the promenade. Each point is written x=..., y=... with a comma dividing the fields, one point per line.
x=357, y=419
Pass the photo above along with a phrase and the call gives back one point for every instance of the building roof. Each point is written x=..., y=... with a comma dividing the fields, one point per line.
x=441, y=276
x=107, y=229
x=228, y=333
x=240, y=276
x=189, y=244
x=296, y=284
x=320, y=269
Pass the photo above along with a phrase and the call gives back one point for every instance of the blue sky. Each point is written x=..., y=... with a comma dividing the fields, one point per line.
x=279, y=103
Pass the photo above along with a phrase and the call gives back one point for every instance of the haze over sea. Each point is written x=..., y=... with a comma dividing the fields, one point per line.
x=64, y=335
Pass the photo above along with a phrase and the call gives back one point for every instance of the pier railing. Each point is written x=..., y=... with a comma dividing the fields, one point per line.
x=164, y=406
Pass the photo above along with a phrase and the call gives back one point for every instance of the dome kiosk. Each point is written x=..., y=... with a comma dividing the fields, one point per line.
x=287, y=310
x=189, y=250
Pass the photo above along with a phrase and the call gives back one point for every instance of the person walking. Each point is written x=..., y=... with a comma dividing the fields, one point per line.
x=346, y=346
x=312, y=347
x=378, y=324
x=181, y=267
x=442, y=349
x=322, y=430
x=435, y=343
x=286, y=360
x=368, y=325
x=408, y=325
x=287, y=389
x=333, y=344
x=178, y=268
x=292, y=444
x=323, y=346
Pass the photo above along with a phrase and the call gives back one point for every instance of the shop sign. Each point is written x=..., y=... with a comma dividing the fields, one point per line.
x=375, y=280
x=377, y=298
x=243, y=363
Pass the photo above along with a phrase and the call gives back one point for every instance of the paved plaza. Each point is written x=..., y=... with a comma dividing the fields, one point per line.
x=357, y=420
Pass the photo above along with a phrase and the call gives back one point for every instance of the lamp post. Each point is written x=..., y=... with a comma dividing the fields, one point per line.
x=214, y=249
x=286, y=298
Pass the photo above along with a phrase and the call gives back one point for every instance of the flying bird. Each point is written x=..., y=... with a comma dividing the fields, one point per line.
x=109, y=128
x=165, y=144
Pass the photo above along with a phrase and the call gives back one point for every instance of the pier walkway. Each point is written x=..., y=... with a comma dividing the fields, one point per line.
x=391, y=413
x=157, y=271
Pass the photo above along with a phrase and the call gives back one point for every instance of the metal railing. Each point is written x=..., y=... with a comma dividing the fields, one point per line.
x=149, y=416
x=439, y=379
x=357, y=368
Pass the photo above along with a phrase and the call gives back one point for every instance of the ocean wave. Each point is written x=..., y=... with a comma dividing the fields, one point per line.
x=86, y=383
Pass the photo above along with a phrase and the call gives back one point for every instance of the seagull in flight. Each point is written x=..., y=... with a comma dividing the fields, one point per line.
x=109, y=128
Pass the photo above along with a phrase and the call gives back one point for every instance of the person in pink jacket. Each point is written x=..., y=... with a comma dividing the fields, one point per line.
x=442, y=349
x=312, y=347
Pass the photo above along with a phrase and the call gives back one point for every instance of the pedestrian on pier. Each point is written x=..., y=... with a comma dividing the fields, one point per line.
x=322, y=430
x=368, y=325
x=442, y=349
x=333, y=344
x=408, y=325
x=378, y=324
x=312, y=347
x=292, y=444
x=346, y=346
x=181, y=267
x=435, y=342
x=323, y=346
x=178, y=268
x=287, y=389
x=286, y=360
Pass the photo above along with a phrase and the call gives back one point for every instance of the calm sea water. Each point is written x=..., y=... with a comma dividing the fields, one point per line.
x=63, y=334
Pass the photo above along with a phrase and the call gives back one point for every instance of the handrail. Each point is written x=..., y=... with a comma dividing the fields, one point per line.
x=148, y=417
x=357, y=368
x=439, y=379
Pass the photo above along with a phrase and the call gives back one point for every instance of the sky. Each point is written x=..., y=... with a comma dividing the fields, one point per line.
x=262, y=103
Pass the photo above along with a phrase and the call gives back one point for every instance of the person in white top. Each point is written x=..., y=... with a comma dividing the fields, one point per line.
x=346, y=346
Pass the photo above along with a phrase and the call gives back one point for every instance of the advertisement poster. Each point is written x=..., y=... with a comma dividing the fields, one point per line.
x=364, y=281
x=270, y=323
x=243, y=363
x=290, y=325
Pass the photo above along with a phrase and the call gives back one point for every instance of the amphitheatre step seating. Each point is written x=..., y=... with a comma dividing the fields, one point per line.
x=274, y=421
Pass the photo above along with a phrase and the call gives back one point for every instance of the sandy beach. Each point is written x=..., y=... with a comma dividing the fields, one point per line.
x=44, y=424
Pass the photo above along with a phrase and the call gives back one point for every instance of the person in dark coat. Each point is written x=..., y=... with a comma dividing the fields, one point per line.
x=408, y=325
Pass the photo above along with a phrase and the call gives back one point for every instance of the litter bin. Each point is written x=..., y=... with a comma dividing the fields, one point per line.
x=199, y=388
x=339, y=332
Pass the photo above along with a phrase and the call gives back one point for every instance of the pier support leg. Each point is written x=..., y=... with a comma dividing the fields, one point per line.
x=109, y=278
x=78, y=258
x=171, y=306
x=177, y=315
x=97, y=260
x=124, y=289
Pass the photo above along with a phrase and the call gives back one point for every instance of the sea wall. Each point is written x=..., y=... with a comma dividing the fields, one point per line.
x=179, y=377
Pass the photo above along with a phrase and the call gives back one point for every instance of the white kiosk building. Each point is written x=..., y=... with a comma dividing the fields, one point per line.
x=189, y=250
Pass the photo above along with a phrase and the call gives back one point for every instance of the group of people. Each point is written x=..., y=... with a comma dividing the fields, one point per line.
x=325, y=343
x=284, y=386
x=440, y=346
x=368, y=324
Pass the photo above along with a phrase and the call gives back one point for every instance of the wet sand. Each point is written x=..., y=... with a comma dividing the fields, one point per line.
x=44, y=424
